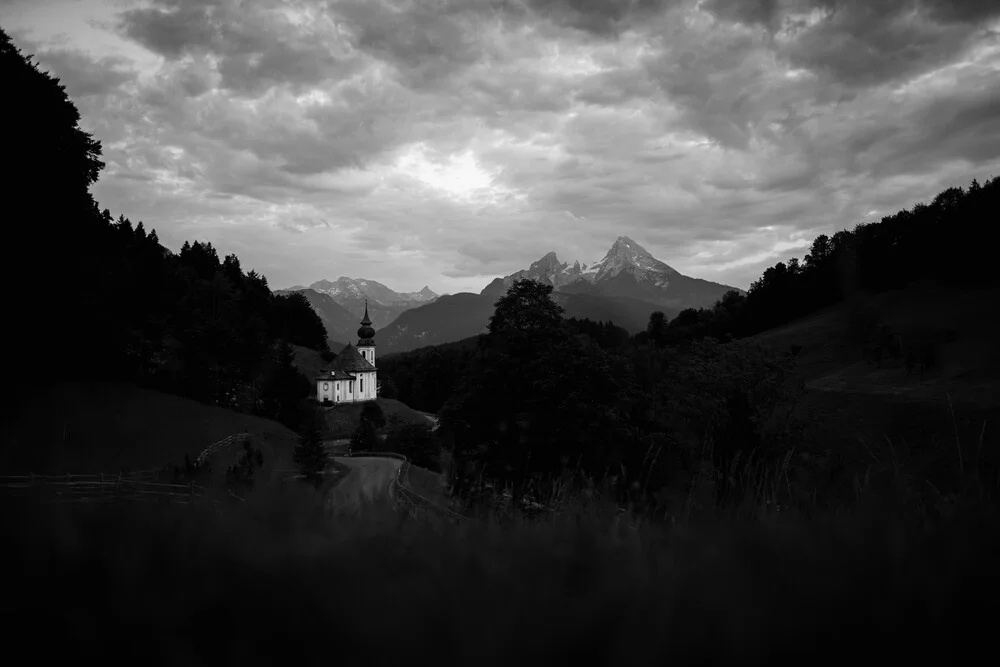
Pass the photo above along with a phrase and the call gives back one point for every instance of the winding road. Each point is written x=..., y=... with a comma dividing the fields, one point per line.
x=369, y=478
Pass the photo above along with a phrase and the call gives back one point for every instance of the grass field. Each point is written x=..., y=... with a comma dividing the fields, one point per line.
x=969, y=367
x=91, y=428
x=857, y=418
x=342, y=420
x=275, y=580
x=429, y=484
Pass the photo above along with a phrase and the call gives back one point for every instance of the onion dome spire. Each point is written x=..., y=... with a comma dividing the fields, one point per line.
x=366, y=333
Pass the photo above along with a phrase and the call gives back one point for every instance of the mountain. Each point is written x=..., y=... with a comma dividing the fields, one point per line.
x=547, y=270
x=447, y=319
x=624, y=287
x=627, y=271
x=341, y=324
x=384, y=304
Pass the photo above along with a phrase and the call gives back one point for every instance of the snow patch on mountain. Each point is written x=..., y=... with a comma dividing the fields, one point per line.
x=624, y=255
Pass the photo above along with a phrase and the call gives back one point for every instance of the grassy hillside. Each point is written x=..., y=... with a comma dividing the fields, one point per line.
x=937, y=424
x=91, y=428
x=968, y=360
x=342, y=420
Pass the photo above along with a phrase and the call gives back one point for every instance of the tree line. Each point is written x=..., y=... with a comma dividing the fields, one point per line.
x=541, y=398
x=948, y=243
x=94, y=297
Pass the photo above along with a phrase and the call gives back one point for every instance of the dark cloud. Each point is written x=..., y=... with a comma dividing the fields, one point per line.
x=426, y=42
x=445, y=141
x=762, y=12
x=604, y=18
x=172, y=28
x=964, y=128
x=862, y=43
x=870, y=44
x=777, y=14
x=255, y=48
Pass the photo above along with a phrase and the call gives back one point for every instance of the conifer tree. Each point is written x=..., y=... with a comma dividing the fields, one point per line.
x=310, y=455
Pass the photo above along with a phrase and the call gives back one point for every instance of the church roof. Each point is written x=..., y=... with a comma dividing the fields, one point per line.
x=334, y=374
x=351, y=361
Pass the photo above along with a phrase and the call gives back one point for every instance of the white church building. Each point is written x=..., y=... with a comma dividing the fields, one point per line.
x=351, y=377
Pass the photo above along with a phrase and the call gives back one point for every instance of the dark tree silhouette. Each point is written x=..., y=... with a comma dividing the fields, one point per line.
x=657, y=328
x=186, y=323
x=364, y=438
x=310, y=455
x=371, y=412
x=527, y=306
x=49, y=165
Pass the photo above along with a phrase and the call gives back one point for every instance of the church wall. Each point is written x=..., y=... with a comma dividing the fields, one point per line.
x=324, y=391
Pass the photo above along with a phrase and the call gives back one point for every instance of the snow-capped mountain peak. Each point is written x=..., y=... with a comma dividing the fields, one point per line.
x=627, y=255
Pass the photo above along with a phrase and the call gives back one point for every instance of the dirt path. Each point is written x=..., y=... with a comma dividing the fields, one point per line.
x=369, y=478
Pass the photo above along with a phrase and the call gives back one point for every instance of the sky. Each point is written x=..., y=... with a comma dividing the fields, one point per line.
x=447, y=142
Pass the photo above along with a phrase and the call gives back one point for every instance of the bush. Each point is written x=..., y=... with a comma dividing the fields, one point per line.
x=372, y=412
x=417, y=443
x=240, y=476
x=364, y=438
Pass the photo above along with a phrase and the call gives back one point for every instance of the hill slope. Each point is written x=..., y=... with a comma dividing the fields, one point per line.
x=967, y=358
x=857, y=413
x=449, y=318
x=93, y=428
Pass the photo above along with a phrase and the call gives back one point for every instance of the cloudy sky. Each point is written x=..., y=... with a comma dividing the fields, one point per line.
x=445, y=142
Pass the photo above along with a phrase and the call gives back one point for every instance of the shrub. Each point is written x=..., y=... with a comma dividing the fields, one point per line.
x=240, y=476
x=364, y=438
x=417, y=443
x=372, y=412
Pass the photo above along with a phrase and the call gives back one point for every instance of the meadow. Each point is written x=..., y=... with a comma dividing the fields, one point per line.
x=276, y=578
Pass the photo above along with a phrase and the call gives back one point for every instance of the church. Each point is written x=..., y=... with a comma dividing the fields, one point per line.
x=351, y=377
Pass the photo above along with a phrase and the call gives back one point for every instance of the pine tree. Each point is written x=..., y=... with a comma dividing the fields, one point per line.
x=310, y=455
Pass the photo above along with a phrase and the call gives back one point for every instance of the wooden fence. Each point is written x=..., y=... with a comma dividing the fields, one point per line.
x=233, y=439
x=105, y=487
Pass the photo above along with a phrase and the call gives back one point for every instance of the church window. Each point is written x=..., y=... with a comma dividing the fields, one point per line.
x=326, y=385
x=362, y=386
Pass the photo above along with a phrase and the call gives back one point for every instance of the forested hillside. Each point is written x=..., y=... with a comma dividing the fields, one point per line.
x=949, y=243
x=540, y=397
x=99, y=298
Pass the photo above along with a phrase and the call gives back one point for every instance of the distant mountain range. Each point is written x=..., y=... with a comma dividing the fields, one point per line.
x=625, y=286
x=384, y=304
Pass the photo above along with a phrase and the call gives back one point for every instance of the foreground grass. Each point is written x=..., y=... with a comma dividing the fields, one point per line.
x=276, y=579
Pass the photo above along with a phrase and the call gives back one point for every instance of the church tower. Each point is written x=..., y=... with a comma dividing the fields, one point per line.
x=366, y=338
